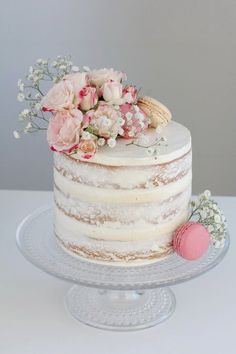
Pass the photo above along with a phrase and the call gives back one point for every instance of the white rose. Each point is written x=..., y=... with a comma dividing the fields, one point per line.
x=111, y=91
x=99, y=77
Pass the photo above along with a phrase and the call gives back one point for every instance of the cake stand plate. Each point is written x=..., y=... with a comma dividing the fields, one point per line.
x=110, y=297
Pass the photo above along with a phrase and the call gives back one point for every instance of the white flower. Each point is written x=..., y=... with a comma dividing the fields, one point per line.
x=37, y=106
x=217, y=218
x=86, y=135
x=121, y=131
x=105, y=121
x=207, y=194
x=27, y=127
x=54, y=64
x=150, y=151
x=219, y=244
x=101, y=141
x=31, y=69
x=86, y=68
x=203, y=214
x=21, y=85
x=164, y=138
x=131, y=133
x=129, y=116
x=38, y=96
x=16, y=134
x=111, y=142
x=159, y=129
x=75, y=68
x=20, y=97
x=25, y=112
x=39, y=61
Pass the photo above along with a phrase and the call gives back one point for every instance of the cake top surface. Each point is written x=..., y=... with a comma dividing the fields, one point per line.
x=125, y=153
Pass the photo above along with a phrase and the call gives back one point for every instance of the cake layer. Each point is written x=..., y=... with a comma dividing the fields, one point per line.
x=122, y=177
x=114, y=251
x=116, y=222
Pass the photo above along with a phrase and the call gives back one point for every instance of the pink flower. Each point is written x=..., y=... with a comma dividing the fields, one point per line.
x=87, y=147
x=63, y=132
x=112, y=91
x=60, y=97
x=78, y=80
x=105, y=121
x=130, y=94
x=135, y=120
x=87, y=98
x=99, y=77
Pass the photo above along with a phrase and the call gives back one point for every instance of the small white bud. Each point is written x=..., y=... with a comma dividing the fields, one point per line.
x=16, y=134
x=20, y=97
x=75, y=68
x=86, y=68
x=101, y=141
x=111, y=142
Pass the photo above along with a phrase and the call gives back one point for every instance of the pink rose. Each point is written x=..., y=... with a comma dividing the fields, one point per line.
x=135, y=121
x=112, y=91
x=78, y=80
x=87, y=147
x=63, y=132
x=60, y=97
x=99, y=77
x=105, y=121
x=87, y=98
x=130, y=94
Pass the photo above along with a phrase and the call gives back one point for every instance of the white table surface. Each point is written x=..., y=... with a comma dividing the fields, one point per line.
x=33, y=319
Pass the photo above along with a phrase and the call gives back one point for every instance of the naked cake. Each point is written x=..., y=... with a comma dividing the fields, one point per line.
x=122, y=166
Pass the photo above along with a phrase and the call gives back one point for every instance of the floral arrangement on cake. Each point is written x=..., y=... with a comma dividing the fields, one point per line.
x=85, y=109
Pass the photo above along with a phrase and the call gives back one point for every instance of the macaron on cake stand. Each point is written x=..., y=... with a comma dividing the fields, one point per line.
x=121, y=298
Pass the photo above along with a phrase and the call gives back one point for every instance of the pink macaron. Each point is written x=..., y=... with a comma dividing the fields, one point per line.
x=191, y=240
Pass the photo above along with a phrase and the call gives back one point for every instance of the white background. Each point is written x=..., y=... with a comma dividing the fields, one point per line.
x=181, y=52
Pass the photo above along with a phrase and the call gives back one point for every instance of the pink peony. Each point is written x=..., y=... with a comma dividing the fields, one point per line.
x=112, y=91
x=130, y=94
x=99, y=77
x=135, y=120
x=78, y=80
x=87, y=98
x=105, y=121
x=63, y=132
x=60, y=97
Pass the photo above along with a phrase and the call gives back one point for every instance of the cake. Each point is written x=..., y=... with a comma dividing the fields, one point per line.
x=123, y=205
x=122, y=167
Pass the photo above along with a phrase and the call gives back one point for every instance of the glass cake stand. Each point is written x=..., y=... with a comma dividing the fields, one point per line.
x=119, y=298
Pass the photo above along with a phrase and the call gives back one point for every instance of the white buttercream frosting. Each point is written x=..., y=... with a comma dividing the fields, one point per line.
x=123, y=201
x=178, y=143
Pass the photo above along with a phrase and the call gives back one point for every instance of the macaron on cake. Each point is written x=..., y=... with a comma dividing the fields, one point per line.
x=191, y=240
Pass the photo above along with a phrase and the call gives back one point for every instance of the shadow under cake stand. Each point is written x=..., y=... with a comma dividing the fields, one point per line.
x=119, y=298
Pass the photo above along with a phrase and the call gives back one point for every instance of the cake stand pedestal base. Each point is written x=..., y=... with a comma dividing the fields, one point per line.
x=120, y=310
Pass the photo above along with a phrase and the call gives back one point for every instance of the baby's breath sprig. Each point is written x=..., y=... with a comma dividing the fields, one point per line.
x=151, y=149
x=206, y=211
x=31, y=91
